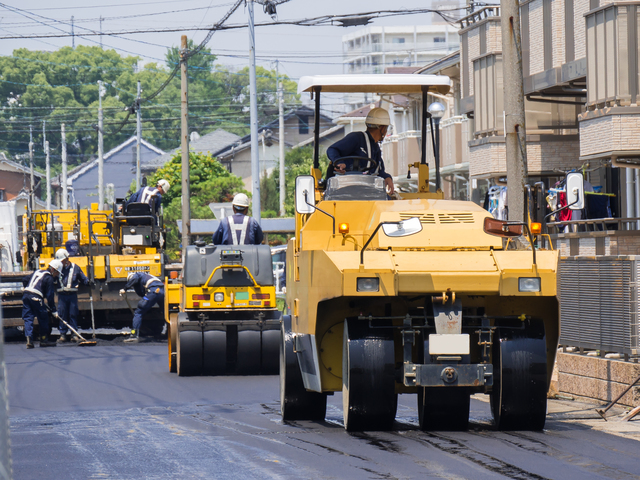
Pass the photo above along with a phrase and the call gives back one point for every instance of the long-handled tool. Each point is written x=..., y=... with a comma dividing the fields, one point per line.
x=84, y=342
x=603, y=412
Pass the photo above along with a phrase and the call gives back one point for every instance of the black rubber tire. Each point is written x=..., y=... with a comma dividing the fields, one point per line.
x=214, y=355
x=444, y=409
x=296, y=403
x=270, y=352
x=189, y=353
x=519, y=396
x=172, y=340
x=369, y=399
x=248, y=360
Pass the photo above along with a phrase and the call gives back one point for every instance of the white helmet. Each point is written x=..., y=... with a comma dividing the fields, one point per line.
x=164, y=184
x=61, y=254
x=241, y=200
x=131, y=274
x=56, y=265
x=378, y=116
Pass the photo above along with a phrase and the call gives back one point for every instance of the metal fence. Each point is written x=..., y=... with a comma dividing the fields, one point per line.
x=599, y=303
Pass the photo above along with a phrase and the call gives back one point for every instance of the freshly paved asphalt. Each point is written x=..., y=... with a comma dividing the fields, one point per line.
x=115, y=412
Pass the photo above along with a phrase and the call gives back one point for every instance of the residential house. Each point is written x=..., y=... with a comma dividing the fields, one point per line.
x=15, y=178
x=119, y=171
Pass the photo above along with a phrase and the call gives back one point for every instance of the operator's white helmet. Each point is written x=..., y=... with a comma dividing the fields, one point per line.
x=378, y=116
x=61, y=254
x=131, y=274
x=56, y=265
x=241, y=200
x=164, y=184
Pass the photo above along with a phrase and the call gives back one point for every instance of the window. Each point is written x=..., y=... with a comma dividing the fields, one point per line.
x=303, y=124
x=397, y=40
x=439, y=40
x=2, y=195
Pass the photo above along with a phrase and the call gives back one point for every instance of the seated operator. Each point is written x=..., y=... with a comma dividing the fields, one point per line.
x=363, y=144
x=150, y=195
x=239, y=228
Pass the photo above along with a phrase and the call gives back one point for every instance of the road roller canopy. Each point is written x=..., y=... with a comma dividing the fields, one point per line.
x=379, y=83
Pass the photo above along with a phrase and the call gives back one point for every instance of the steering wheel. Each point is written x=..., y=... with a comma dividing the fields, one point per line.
x=355, y=165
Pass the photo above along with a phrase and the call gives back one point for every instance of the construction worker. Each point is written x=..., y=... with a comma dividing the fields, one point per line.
x=37, y=287
x=363, y=144
x=70, y=279
x=150, y=195
x=239, y=228
x=151, y=289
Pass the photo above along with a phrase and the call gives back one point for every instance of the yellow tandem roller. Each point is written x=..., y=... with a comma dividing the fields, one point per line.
x=222, y=317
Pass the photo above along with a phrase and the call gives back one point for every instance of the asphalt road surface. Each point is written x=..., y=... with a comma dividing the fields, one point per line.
x=115, y=412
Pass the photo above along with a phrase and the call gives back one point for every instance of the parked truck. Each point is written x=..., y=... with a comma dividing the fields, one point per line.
x=412, y=294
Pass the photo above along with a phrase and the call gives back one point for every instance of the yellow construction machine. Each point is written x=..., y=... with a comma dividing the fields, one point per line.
x=107, y=245
x=414, y=294
x=222, y=315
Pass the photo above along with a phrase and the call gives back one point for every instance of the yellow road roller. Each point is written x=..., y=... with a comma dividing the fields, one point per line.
x=412, y=294
x=222, y=315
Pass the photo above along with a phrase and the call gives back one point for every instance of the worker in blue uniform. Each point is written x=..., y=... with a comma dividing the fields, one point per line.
x=363, y=144
x=70, y=279
x=239, y=228
x=150, y=195
x=151, y=289
x=38, y=287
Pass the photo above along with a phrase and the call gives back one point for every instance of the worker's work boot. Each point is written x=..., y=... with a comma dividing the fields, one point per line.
x=133, y=338
x=63, y=339
x=76, y=339
x=44, y=342
x=29, y=343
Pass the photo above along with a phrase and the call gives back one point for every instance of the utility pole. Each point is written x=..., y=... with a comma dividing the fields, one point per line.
x=101, y=31
x=281, y=141
x=253, y=108
x=73, y=37
x=100, y=150
x=64, y=167
x=5, y=442
x=139, y=140
x=48, y=169
x=31, y=156
x=515, y=130
x=184, y=143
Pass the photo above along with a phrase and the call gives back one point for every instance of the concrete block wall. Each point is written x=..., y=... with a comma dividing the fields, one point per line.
x=613, y=245
x=558, y=33
x=536, y=59
x=494, y=37
x=603, y=131
x=580, y=7
x=487, y=159
x=597, y=378
x=550, y=155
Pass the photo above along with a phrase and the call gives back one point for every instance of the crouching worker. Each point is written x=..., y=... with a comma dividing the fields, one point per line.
x=70, y=279
x=38, y=287
x=151, y=289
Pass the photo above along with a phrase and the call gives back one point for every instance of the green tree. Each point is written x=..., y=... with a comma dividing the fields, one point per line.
x=209, y=182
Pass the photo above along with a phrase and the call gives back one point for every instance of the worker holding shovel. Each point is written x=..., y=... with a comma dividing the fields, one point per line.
x=151, y=289
x=70, y=279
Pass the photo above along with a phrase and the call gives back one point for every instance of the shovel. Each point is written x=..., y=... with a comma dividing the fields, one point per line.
x=84, y=342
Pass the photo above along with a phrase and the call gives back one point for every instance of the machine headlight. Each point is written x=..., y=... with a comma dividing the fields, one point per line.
x=526, y=284
x=218, y=297
x=368, y=284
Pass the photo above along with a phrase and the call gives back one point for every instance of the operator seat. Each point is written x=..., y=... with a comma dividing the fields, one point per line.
x=137, y=209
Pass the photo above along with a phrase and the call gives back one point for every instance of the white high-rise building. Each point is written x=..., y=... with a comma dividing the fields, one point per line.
x=372, y=49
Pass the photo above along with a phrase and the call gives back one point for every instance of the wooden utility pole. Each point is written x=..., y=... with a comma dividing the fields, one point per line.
x=184, y=143
x=139, y=138
x=48, y=173
x=253, y=119
x=515, y=130
x=100, y=149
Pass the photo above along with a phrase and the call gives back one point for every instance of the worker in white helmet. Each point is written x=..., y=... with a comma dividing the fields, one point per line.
x=150, y=195
x=363, y=144
x=38, y=287
x=239, y=228
x=69, y=281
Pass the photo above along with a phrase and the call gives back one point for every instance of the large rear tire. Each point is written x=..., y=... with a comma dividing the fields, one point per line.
x=214, y=355
x=270, y=352
x=189, y=353
x=519, y=396
x=296, y=403
x=248, y=359
x=172, y=339
x=369, y=399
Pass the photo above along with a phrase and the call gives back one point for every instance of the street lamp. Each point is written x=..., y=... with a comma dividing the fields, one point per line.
x=436, y=112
